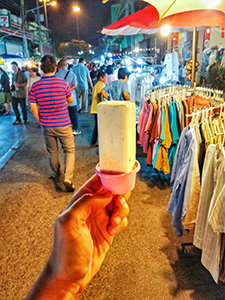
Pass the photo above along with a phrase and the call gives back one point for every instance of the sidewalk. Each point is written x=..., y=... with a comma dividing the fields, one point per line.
x=11, y=137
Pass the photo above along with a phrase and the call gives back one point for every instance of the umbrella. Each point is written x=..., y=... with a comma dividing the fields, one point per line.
x=167, y=8
x=179, y=14
x=190, y=13
x=139, y=22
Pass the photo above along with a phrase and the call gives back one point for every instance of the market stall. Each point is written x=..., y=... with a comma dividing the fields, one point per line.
x=183, y=133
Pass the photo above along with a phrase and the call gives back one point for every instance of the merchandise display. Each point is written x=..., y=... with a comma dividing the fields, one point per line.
x=162, y=119
x=197, y=181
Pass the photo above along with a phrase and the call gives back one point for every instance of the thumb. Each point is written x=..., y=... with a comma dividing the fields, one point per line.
x=90, y=203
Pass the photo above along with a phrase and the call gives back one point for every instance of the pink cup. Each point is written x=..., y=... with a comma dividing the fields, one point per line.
x=118, y=183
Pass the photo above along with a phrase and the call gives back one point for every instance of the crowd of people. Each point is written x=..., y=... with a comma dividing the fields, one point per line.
x=55, y=98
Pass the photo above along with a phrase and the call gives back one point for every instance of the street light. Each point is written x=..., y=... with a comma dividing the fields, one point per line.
x=47, y=3
x=76, y=10
x=53, y=3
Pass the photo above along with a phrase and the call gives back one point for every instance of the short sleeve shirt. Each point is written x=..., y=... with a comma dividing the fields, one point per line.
x=99, y=86
x=116, y=90
x=71, y=79
x=50, y=94
x=20, y=78
x=82, y=74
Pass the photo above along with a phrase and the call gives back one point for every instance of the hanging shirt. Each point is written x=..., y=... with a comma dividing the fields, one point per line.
x=162, y=160
x=181, y=178
x=215, y=223
x=144, y=120
x=174, y=132
x=190, y=216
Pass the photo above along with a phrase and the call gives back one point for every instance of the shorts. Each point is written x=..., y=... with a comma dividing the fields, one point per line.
x=5, y=97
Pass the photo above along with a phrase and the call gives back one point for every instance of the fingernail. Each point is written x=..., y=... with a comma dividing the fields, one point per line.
x=122, y=200
x=112, y=230
x=117, y=220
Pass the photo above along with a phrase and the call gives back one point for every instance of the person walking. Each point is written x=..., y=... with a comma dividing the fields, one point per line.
x=34, y=77
x=83, y=80
x=97, y=94
x=119, y=90
x=4, y=81
x=19, y=82
x=110, y=77
x=49, y=98
x=71, y=78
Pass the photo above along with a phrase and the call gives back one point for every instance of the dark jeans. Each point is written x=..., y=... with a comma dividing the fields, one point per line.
x=95, y=131
x=74, y=117
x=22, y=102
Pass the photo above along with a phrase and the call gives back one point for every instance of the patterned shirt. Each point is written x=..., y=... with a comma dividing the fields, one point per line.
x=51, y=93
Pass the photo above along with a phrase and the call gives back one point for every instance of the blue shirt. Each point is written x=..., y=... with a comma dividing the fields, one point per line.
x=181, y=178
x=82, y=74
x=71, y=79
x=116, y=89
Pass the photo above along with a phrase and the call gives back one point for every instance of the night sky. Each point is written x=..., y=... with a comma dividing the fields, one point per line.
x=62, y=21
x=93, y=16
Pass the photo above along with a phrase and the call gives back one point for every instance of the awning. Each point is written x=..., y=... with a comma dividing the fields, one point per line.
x=177, y=14
x=136, y=23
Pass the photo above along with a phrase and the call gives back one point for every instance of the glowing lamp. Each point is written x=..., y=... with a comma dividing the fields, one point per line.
x=165, y=30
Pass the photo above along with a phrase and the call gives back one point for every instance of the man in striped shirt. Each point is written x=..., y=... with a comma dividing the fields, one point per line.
x=49, y=98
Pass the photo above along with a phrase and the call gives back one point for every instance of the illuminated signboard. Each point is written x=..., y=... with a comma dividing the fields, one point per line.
x=4, y=21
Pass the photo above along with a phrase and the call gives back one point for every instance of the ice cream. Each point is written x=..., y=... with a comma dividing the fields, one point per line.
x=117, y=136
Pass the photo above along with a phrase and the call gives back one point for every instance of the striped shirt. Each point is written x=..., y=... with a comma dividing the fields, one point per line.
x=50, y=94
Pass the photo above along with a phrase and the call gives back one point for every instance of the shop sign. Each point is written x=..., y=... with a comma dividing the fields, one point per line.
x=4, y=21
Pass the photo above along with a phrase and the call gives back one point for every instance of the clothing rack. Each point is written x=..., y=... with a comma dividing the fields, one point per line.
x=201, y=201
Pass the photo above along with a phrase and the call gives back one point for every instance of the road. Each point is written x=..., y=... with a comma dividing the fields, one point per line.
x=145, y=261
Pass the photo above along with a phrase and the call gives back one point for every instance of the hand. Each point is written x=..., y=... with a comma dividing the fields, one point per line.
x=17, y=85
x=84, y=232
x=83, y=235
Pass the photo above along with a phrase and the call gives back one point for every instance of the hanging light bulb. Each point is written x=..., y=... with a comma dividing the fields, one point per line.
x=165, y=30
x=128, y=61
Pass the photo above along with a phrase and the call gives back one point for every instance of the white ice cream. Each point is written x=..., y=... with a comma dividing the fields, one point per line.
x=117, y=136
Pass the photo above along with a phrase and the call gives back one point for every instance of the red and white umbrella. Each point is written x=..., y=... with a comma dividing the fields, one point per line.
x=179, y=14
x=137, y=23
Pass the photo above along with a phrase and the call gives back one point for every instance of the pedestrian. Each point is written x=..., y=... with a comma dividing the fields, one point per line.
x=97, y=94
x=4, y=81
x=71, y=78
x=110, y=77
x=49, y=98
x=94, y=74
x=34, y=77
x=118, y=89
x=19, y=83
x=83, y=235
x=83, y=80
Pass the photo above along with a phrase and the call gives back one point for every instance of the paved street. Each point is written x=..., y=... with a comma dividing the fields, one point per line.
x=11, y=137
x=145, y=261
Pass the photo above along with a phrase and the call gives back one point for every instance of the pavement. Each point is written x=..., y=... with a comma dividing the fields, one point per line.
x=11, y=137
x=145, y=262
